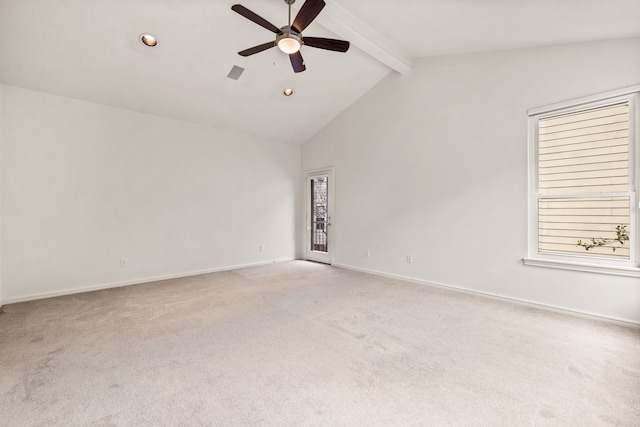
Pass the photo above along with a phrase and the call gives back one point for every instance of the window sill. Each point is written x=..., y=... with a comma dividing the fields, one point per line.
x=589, y=268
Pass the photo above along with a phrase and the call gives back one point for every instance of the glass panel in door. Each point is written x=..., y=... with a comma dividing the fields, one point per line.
x=319, y=214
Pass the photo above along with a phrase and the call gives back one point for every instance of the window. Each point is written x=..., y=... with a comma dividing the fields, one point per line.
x=583, y=181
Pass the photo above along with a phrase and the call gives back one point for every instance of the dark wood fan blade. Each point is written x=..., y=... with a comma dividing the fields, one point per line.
x=255, y=18
x=297, y=62
x=307, y=13
x=328, y=44
x=257, y=49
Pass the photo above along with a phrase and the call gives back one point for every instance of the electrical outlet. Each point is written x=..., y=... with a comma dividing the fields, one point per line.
x=261, y=248
x=409, y=259
x=124, y=262
x=367, y=253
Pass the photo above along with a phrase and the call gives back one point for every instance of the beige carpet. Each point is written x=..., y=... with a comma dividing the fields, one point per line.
x=298, y=344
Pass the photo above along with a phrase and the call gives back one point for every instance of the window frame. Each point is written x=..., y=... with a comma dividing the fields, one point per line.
x=631, y=267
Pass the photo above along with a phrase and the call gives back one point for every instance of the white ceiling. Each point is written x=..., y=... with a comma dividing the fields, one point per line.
x=89, y=49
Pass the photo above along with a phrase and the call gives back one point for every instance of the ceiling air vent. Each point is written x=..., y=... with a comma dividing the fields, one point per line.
x=235, y=72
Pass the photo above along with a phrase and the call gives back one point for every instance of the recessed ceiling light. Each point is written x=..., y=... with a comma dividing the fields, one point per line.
x=148, y=39
x=288, y=92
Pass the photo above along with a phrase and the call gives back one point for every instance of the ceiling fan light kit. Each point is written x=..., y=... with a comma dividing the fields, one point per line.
x=289, y=41
x=289, y=38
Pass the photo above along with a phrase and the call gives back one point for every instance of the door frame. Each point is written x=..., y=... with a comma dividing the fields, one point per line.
x=310, y=255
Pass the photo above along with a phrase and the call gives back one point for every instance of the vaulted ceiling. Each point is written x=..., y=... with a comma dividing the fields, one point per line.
x=89, y=50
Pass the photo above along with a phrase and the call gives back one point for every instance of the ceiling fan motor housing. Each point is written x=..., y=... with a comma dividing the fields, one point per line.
x=289, y=37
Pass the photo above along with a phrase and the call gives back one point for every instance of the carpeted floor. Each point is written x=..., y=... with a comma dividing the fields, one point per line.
x=298, y=344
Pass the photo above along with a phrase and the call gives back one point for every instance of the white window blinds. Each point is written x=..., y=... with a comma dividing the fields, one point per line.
x=583, y=180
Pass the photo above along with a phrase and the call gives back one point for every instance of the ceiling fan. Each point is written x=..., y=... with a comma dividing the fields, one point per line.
x=289, y=38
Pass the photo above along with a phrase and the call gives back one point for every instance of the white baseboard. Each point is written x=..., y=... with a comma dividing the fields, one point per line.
x=548, y=307
x=136, y=282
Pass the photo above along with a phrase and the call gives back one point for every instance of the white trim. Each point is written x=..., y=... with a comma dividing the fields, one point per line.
x=634, y=176
x=309, y=174
x=580, y=102
x=585, y=267
x=546, y=307
x=532, y=182
x=138, y=281
x=588, y=195
x=319, y=171
x=630, y=268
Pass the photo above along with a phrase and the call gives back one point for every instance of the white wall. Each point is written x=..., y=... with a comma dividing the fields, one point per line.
x=433, y=164
x=85, y=184
x=1, y=157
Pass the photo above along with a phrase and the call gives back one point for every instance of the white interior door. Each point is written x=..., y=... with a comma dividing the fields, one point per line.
x=319, y=216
